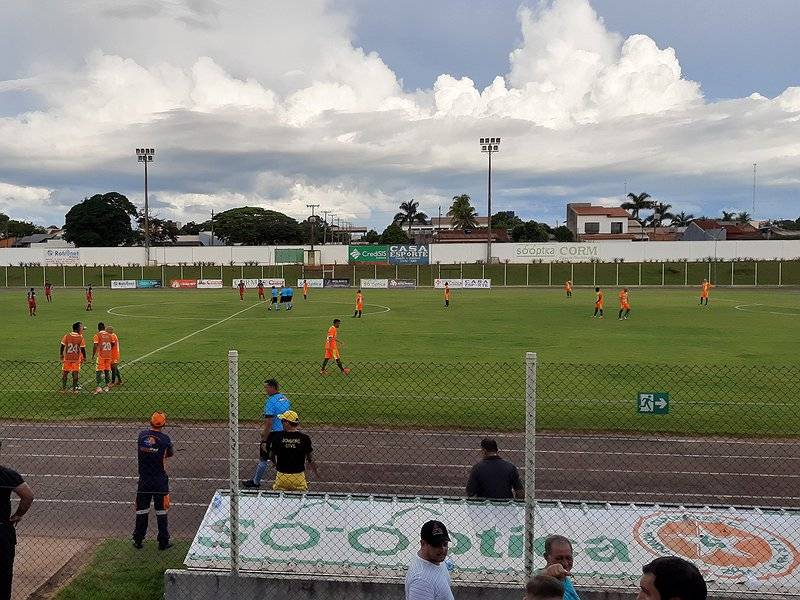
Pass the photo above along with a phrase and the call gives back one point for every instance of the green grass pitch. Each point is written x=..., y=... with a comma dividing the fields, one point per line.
x=416, y=363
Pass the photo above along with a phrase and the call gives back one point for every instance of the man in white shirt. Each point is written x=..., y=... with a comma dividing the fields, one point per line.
x=428, y=577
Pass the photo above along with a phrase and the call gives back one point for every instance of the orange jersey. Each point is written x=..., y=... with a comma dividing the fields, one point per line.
x=568, y=286
x=105, y=345
x=705, y=287
x=115, y=350
x=330, y=340
x=305, y=288
x=599, y=299
x=447, y=293
x=623, y=299
x=359, y=300
x=73, y=342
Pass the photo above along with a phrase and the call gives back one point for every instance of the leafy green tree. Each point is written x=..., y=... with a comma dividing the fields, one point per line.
x=727, y=216
x=660, y=215
x=530, y=231
x=394, y=234
x=682, y=219
x=409, y=214
x=505, y=220
x=743, y=217
x=462, y=213
x=563, y=234
x=255, y=226
x=162, y=231
x=102, y=220
x=637, y=203
x=372, y=237
x=192, y=228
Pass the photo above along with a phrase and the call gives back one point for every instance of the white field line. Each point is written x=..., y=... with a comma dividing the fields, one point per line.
x=744, y=307
x=194, y=333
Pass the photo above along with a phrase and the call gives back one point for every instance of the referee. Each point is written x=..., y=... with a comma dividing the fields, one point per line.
x=154, y=447
x=10, y=481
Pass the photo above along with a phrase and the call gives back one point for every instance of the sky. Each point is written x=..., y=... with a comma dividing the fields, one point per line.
x=359, y=105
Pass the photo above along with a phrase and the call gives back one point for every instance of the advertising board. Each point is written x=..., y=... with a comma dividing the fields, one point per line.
x=209, y=284
x=289, y=256
x=62, y=256
x=409, y=254
x=377, y=253
x=402, y=284
x=553, y=252
x=469, y=284
x=337, y=283
x=183, y=283
x=148, y=283
x=123, y=284
x=253, y=283
x=312, y=283
x=374, y=284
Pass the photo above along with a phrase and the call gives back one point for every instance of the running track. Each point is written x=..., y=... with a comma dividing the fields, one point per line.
x=84, y=474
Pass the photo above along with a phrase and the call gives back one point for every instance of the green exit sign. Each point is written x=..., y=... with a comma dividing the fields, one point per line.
x=652, y=403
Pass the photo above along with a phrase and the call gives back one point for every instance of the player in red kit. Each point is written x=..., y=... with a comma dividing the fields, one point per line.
x=32, y=303
x=48, y=291
x=89, y=298
x=241, y=289
x=261, y=290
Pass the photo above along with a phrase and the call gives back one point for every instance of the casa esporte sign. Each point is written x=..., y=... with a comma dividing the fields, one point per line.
x=409, y=254
x=347, y=535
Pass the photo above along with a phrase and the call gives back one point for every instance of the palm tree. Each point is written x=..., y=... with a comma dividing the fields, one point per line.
x=637, y=203
x=727, y=216
x=409, y=214
x=743, y=217
x=661, y=213
x=682, y=219
x=462, y=214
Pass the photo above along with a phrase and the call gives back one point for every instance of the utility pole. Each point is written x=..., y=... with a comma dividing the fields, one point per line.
x=212, y=226
x=313, y=224
x=489, y=145
x=325, y=227
x=146, y=155
x=755, y=165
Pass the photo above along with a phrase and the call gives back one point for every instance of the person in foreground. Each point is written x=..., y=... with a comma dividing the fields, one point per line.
x=10, y=481
x=558, y=554
x=544, y=587
x=671, y=578
x=428, y=577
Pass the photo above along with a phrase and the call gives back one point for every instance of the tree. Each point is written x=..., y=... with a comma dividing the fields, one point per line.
x=372, y=237
x=102, y=220
x=409, y=215
x=162, y=231
x=13, y=228
x=530, y=231
x=682, y=219
x=462, y=213
x=255, y=226
x=192, y=228
x=727, y=216
x=563, y=234
x=319, y=228
x=394, y=234
x=506, y=219
x=660, y=214
x=636, y=204
x=743, y=217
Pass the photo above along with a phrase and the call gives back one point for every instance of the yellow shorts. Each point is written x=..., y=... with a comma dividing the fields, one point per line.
x=290, y=482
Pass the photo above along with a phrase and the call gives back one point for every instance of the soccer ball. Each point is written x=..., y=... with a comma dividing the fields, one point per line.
x=346, y=370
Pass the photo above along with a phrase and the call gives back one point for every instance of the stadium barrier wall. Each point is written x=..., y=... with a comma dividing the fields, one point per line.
x=538, y=274
x=631, y=461
x=605, y=251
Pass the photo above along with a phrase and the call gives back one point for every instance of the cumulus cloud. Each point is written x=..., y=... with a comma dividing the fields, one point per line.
x=276, y=106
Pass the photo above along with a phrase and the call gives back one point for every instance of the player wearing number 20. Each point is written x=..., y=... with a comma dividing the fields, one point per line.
x=103, y=353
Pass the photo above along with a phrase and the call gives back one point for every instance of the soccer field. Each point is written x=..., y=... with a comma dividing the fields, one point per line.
x=469, y=356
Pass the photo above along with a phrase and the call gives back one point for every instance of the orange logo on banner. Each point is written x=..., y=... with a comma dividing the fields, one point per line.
x=730, y=547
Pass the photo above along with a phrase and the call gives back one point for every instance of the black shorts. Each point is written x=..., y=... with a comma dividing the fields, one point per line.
x=274, y=300
x=289, y=298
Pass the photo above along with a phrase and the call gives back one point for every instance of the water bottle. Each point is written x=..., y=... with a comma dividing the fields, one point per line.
x=448, y=562
x=216, y=502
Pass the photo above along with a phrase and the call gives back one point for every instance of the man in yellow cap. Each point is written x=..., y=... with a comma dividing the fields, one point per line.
x=290, y=450
x=154, y=449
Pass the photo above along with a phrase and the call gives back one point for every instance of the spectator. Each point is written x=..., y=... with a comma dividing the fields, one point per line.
x=10, y=481
x=544, y=587
x=558, y=554
x=428, y=577
x=671, y=578
x=290, y=450
x=494, y=477
x=154, y=447
x=275, y=404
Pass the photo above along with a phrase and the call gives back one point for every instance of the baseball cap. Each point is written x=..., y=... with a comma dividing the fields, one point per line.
x=290, y=416
x=434, y=532
x=158, y=419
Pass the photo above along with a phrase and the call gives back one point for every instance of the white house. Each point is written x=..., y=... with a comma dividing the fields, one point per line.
x=589, y=222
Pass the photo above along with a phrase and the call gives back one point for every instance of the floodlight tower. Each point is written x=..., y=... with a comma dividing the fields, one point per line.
x=145, y=156
x=490, y=146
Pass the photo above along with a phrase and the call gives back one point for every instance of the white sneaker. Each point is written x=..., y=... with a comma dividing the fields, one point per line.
x=97, y=390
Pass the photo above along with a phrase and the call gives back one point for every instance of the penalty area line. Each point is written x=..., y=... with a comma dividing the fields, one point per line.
x=194, y=333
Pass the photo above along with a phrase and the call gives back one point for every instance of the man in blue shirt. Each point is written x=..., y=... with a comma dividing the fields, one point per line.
x=274, y=299
x=275, y=404
x=558, y=554
x=154, y=447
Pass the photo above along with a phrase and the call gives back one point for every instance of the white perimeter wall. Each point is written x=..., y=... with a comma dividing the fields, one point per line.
x=443, y=253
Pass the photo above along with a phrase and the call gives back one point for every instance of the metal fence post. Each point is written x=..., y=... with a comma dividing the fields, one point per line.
x=25, y=276
x=527, y=274
x=594, y=273
x=686, y=273
x=756, y=273
x=233, y=455
x=662, y=273
x=780, y=274
x=640, y=274
x=732, y=274
x=505, y=274
x=530, y=459
x=550, y=274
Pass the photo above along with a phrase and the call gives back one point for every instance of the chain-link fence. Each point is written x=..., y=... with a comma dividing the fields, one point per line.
x=554, y=274
x=630, y=462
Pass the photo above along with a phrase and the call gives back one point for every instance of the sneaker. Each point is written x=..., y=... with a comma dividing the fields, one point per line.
x=323, y=372
x=105, y=389
x=346, y=370
x=137, y=544
x=250, y=484
x=97, y=390
x=165, y=545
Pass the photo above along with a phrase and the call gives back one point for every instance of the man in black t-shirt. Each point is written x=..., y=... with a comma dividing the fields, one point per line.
x=10, y=481
x=494, y=477
x=154, y=447
x=290, y=450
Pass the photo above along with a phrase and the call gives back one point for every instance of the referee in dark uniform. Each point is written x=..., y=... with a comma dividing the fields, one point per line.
x=10, y=481
x=154, y=447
